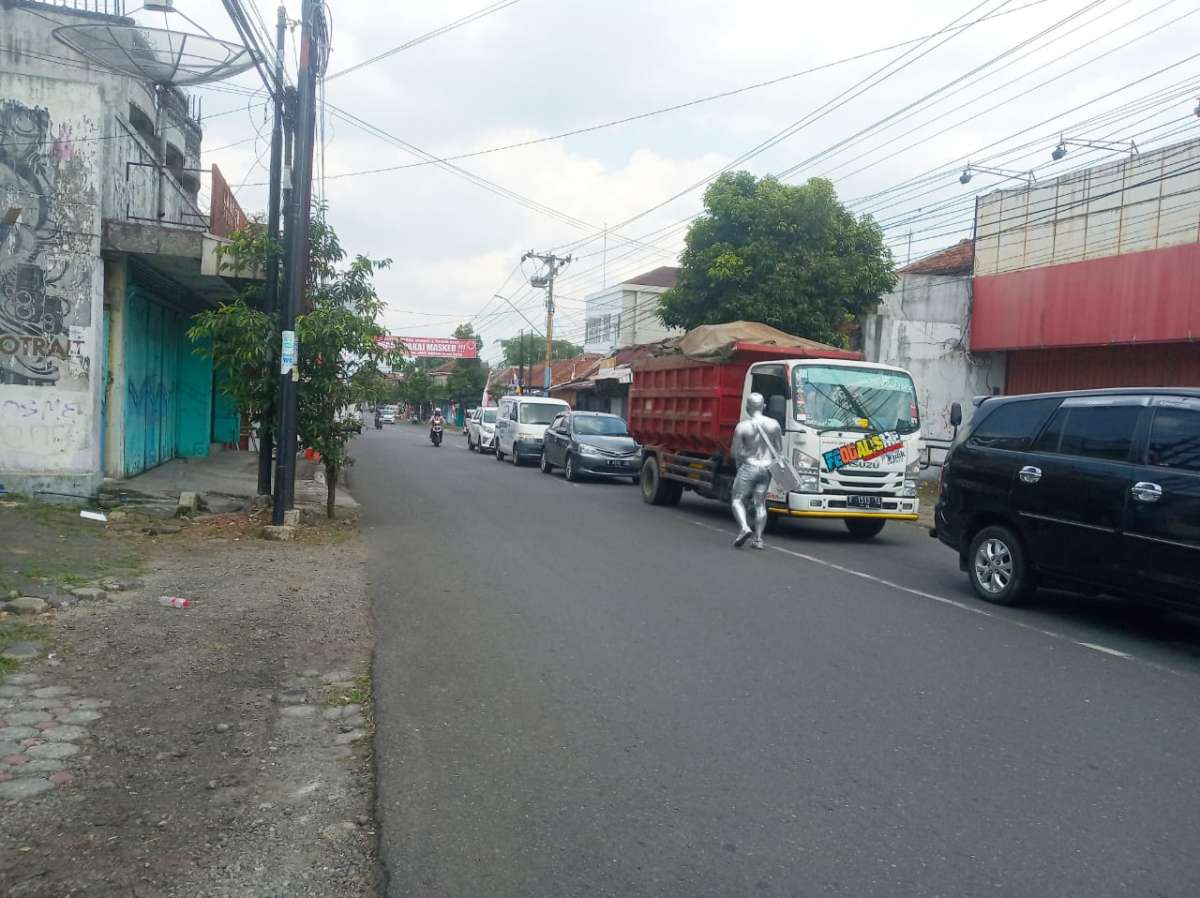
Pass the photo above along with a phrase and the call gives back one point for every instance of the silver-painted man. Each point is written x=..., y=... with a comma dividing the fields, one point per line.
x=753, y=440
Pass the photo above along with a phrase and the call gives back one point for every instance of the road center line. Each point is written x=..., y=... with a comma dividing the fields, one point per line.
x=952, y=602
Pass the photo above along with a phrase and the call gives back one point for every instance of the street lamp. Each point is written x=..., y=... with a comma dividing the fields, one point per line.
x=965, y=178
x=1063, y=142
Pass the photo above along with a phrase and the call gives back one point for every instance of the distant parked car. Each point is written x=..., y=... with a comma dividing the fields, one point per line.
x=481, y=430
x=1097, y=490
x=591, y=444
x=387, y=414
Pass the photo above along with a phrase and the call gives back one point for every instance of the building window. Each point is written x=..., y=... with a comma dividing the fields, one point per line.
x=593, y=330
x=143, y=125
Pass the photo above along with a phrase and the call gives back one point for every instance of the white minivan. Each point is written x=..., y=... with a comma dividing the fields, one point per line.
x=521, y=425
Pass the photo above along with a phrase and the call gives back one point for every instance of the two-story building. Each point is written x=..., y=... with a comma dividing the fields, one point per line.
x=106, y=252
x=626, y=314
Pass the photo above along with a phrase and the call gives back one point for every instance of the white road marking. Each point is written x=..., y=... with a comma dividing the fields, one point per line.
x=952, y=602
x=1106, y=650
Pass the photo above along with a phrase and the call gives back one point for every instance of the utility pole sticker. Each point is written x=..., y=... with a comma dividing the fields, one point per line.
x=287, y=353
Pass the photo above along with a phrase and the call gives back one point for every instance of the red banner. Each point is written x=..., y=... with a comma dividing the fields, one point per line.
x=432, y=347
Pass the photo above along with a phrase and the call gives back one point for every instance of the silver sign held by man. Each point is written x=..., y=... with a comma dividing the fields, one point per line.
x=757, y=442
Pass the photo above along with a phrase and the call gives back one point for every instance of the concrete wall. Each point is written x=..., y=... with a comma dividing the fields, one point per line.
x=1126, y=206
x=923, y=325
x=51, y=283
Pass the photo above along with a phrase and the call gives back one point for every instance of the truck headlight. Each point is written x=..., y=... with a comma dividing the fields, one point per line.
x=810, y=480
x=910, y=490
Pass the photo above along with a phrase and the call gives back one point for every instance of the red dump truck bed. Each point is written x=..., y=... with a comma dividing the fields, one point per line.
x=686, y=405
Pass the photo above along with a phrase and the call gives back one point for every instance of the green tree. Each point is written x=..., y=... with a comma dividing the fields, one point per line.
x=417, y=387
x=535, y=350
x=791, y=256
x=467, y=380
x=339, y=359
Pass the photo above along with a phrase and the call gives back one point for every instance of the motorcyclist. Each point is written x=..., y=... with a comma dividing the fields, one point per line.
x=378, y=419
x=436, y=423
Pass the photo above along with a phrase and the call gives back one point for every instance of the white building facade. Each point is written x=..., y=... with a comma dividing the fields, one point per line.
x=924, y=325
x=626, y=314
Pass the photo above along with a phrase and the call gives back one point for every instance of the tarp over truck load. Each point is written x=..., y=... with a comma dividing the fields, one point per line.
x=720, y=342
x=689, y=398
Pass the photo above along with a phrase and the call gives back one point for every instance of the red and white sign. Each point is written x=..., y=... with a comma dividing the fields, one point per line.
x=432, y=347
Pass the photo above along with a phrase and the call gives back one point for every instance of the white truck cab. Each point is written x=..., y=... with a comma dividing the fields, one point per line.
x=853, y=432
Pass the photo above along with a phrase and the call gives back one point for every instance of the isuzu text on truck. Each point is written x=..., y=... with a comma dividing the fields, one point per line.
x=851, y=429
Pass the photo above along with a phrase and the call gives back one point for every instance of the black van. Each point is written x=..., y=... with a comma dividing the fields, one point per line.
x=1097, y=490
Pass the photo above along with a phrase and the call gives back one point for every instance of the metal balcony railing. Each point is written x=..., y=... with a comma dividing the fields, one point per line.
x=95, y=7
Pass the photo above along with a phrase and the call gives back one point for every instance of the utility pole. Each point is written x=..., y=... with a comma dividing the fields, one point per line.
x=521, y=361
x=271, y=294
x=312, y=58
x=554, y=264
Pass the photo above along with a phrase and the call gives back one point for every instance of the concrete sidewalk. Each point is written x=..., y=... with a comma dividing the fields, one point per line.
x=229, y=474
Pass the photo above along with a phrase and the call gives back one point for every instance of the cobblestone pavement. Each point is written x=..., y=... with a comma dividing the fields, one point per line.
x=44, y=735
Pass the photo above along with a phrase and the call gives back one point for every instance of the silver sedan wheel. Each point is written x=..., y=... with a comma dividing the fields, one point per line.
x=993, y=566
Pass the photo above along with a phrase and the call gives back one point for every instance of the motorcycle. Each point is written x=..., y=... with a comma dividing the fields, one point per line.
x=435, y=433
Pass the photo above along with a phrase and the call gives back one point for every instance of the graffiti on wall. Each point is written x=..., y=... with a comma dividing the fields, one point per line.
x=46, y=256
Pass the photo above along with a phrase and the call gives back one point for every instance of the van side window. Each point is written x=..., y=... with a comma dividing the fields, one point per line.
x=1175, y=437
x=1011, y=425
x=1092, y=431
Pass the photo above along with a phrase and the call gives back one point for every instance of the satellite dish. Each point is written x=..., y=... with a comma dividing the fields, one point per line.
x=160, y=55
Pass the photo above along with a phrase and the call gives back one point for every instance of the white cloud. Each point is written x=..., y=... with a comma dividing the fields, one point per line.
x=543, y=66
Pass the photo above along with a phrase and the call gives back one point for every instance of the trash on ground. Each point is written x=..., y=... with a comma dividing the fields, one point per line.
x=93, y=515
x=174, y=602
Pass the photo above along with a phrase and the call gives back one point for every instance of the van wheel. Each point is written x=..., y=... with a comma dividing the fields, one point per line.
x=863, y=528
x=655, y=490
x=499, y=454
x=997, y=567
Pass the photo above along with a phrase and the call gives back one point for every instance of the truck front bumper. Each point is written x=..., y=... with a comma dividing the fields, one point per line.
x=836, y=505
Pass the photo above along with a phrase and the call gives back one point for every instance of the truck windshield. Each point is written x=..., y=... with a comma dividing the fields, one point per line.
x=539, y=412
x=834, y=398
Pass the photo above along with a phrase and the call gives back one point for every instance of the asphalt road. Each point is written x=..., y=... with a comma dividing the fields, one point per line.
x=578, y=694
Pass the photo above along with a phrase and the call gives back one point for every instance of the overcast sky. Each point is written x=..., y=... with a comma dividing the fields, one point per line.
x=541, y=67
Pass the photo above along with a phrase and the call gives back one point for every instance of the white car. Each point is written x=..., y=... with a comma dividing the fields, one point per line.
x=387, y=414
x=481, y=430
x=521, y=425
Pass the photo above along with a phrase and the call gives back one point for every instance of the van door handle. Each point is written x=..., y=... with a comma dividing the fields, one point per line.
x=1146, y=492
x=1030, y=474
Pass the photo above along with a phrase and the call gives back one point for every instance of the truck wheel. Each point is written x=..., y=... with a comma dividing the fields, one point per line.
x=656, y=490
x=863, y=528
x=997, y=567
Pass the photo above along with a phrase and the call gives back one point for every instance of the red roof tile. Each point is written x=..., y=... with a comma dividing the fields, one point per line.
x=957, y=259
x=664, y=276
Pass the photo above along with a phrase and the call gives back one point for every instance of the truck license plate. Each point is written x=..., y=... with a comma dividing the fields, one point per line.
x=871, y=502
